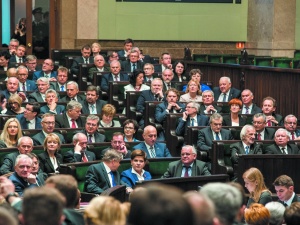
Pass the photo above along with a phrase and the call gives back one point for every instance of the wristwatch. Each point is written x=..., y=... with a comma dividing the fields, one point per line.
x=10, y=195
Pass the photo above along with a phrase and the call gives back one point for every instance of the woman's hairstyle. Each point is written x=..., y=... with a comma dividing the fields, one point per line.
x=138, y=152
x=135, y=124
x=198, y=85
x=52, y=137
x=257, y=214
x=254, y=175
x=5, y=136
x=108, y=110
x=15, y=98
x=195, y=71
x=104, y=210
x=134, y=75
x=235, y=101
x=174, y=67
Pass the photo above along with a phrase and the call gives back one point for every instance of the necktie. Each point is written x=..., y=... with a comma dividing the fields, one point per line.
x=258, y=136
x=116, y=78
x=285, y=205
x=192, y=123
x=247, y=150
x=90, y=138
x=247, y=110
x=24, y=89
x=186, y=172
x=152, y=150
x=169, y=86
x=112, y=178
x=73, y=99
x=86, y=61
x=224, y=97
x=83, y=157
x=217, y=137
x=282, y=150
x=93, y=109
x=20, y=60
x=269, y=123
x=293, y=135
x=73, y=123
x=62, y=88
x=133, y=67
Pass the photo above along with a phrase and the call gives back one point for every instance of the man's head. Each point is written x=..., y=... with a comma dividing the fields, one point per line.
x=12, y=84
x=148, y=69
x=13, y=45
x=22, y=73
x=81, y=140
x=31, y=62
x=35, y=163
x=48, y=66
x=91, y=124
x=32, y=109
x=188, y=155
x=166, y=59
x=134, y=55
x=113, y=55
x=150, y=135
x=292, y=214
x=208, y=97
x=25, y=145
x=215, y=122
x=281, y=137
x=74, y=109
x=115, y=67
x=167, y=75
x=117, y=141
x=51, y=96
x=290, y=123
x=259, y=122
x=276, y=210
x=112, y=159
x=21, y=50
x=62, y=75
x=72, y=89
x=99, y=61
x=247, y=97
x=92, y=94
x=4, y=58
x=23, y=166
x=268, y=106
x=156, y=85
x=48, y=122
x=172, y=95
x=192, y=108
x=86, y=51
x=38, y=14
x=284, y=187
x=224, y=84
x=248, y=134
x=128, y=43
x=43, y=84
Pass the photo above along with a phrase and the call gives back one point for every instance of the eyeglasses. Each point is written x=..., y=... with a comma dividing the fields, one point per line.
x=256, y=122
x=49, y=123
x=128, y=128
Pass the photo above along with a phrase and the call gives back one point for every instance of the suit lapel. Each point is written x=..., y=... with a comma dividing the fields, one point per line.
x=49, y=162
x=145, y=149
x=178, y=169
x=105, y=174
x=65, y=121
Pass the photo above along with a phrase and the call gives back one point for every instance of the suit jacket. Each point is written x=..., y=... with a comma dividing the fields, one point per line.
x=60, y=109
x=205, y=138
x=161, y=113
x=227, y=120
x=238, y=148
x=20, y=184
x=77, y=61
x=61, y=121
x=99, y=138
x=199, y=168
x=161, y=149
x=46, y=164
x=279, y=119
x=55, y=86
x=126, y=66
x=94, y=69
x=24, y=123
x=38, y=139
x=71, y=157
x=35, y=97
x=181, y=128
x=72, y=217
x=106, y=78
x=203, y=108
x=131, y=178
x=80, y=99
x=7, y=94
x=295, y=199
x=30, y=86
x=165, y=88
x=99, y=105
x=97, y=180
x=158, y=68
x=269, y=133
x=233, y=93
x=184, y=77
x=127, y=156
x=13, y=59
x=274, y=149
x=255, y=109
x=38, y=74
x=146, y=95
x=8, y=164
x=121, y=53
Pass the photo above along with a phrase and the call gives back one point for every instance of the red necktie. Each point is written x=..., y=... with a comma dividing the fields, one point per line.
x=269, y=123
x=24, y=87
x=83, y=157
x=293, y=135
x=73, y=123
x=186, y=172
x=258, y=136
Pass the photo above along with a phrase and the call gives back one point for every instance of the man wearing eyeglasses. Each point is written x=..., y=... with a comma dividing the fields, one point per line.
x=92, y=104
x=262, y=132
x=48, y=124
x=62, y=79
x=24, y=83
x=30, y=119
x=290, y=124
x=133, y=62
x=166, y=61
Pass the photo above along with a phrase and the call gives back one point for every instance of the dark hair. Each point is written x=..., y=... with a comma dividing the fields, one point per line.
x=5, y=54
x=92, y=88
x=128, y=40
x=138, y=152
x=86, y=47
x=35, y=107
x=174, y=67
x=134, y=75
x=135, y=124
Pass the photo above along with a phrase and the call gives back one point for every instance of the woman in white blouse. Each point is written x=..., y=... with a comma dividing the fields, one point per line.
x=136, y=82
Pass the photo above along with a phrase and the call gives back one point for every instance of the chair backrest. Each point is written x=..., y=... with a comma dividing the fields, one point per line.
x=116, y=94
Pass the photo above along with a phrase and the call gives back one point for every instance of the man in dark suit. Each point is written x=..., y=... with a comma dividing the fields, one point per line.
x=71, y=118
x=290, y=124
x=19, y=57
x=79, y=153
x=284, y=186
x=281, y=145
x=246, y=146
x=224, y=93
x=248, y=106
x=40, y=95
x=133, y=62
x=114, y=75
x=48, y=124
x=47, y=71
x=92, y=104
x=24, y=83
x=188, y=166
x=268, y=108
x=12, y=85
x=102, y=176
x=167, y=77
x=13, y=45
x=30, y=119
x=62, y=78
x=99, y=63
x=85, y=58
x=149, y=72
x=208, y=106
x=206, y=136
x=128, y=43
x=52, y=106
x=262, y=132
x=25, y=145
x=166, y=63
x=31, y=63
x=72, y=93
x=150, y=146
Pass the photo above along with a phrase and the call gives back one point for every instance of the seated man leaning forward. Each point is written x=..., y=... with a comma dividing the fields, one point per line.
x=188, y=166
x=104, y=175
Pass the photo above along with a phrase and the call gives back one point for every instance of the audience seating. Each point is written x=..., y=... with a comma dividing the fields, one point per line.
x=131, y=100
x=116, y=95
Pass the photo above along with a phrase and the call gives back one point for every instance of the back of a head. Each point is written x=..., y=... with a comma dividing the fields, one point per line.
x=6, y=217
x=257, y=214
x=276, y=210
x=292, y=214
x=160, y=205
x=226, y=198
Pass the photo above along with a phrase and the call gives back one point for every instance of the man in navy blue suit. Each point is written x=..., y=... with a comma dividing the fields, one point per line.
x=24, y=83
x=290, y=124
x=128, y=43
x=30, y=119
x=150, y=146
x=133, y=62
x=224, y=93
x=19, y=57
x=47, y=71
x=85, y=58
x=166, y=63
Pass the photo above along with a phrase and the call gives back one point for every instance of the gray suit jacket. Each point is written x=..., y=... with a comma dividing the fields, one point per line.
x=238, y=148
x=8, y=164
x=274, y=149
x=38, y=139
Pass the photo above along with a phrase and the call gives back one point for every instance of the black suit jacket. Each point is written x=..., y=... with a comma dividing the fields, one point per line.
x=38, y=139
x=269, y=133
x=55, y=86
x=46, y=164
x=255, y=109
x=146, y=95
x=238, y=148
x=77, y=61
x=71, y=157
x=227, y=120
x=233, y=93
x=35, y=97
x=295, y=199
x=106, y=78
x=13, y=59
x=126, y=66
x=274, y=149
x=203, y=108
x=181, y=128
x=99, y=138
x=80, y=99
x=184, y=77
x=99, y=105
x=61, y=121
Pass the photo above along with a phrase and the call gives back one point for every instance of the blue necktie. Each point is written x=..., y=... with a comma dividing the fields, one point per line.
x=217, y=137
x=247, y=150
x=62, y=88
x=224, y=97
x=192, y=124
x=113, y=178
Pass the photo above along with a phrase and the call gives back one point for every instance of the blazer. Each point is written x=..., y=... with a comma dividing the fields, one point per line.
x=269, y=133
x=8, y=164
x=55, y=86
x=38, y=74
x=274, y=149
x=61, y=121
x=13, y=59
x=24, y=124
x=79, y=60
x=279, y=119
x=38, y=139
x=71, y=157
x=203, y=108
x=35, y=97
x=99, y=138
x=255, y=109
x=129, y=87
x=199, y=168
x=30, y=86
x=46, y=164
x=158, y=68
x=95, y=69
x=227, y=120
x=181, y=128
x=161, y=113
x=97, y=180
x=7, y=94
x=187, y=98
x=238, y=148
x=109, y=77
x=121, y=53
x=184, y=77
x=99, y=105
x=233, y=93
x=146, y=95
x=165, y=88
x=126, y=66
x=66, y=98
x=205, y=138
x=20, y=184
x=131, y=178
x=60, y=109
x=161, y=149
x=295, y=199
x=202, y=87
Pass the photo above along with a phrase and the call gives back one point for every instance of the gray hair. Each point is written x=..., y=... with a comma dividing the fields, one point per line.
x=73, y=82
x=22, y=67
x=43, y=79
x=289, y=116
x=93, y=117
x=51, y=91
x=22, y=138
x=77, y=135
x=73, y=104
x=22, y=156
x=190, y=146
x=30, y=57
x=276, y=210
x=112, y=155
x=282, y=130
x=163, y=73
x=212, y=93
x=244, y=130
x=194, y=105
x=257, y=115
x=215, y=116
x=227, y=78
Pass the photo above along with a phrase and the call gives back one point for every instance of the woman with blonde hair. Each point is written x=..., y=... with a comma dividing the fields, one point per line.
x=107, y=114
x=104, y=210
x=96, y=48
x=50, y=159
x=14, y=106
x=193, y=92
x=254, y=182
x=11, y=133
